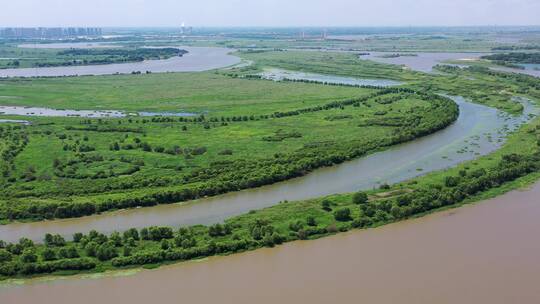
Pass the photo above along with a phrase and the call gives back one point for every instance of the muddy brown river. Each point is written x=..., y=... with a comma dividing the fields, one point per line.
x=483, y=253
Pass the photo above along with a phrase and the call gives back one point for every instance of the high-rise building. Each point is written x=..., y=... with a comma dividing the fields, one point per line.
x=48, y=32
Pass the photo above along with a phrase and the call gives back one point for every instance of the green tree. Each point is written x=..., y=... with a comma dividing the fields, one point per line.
x=131, y=242
x=77, y=237
x=5, y=256
x=29, y=256
x=145, y=235
x=360, y=198
x=396, y=212
x=326, y=205
x=15, y=248
x=106, y=251
x=342, y=215
x=127, y=251
x=48, y=254
x=26, y=243
x=165, y=244
x=91, y=249
x=131, y=233
x=116, y=239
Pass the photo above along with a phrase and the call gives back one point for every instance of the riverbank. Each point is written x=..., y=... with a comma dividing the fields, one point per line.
x=273, y=226
x=410, y=256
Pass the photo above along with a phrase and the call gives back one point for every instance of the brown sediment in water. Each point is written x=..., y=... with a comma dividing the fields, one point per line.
x=483, y=253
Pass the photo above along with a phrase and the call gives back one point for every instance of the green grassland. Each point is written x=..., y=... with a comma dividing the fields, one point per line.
x=170, y=92
x=26, y=57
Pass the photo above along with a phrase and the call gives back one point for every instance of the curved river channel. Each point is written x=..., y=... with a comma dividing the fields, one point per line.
x=479, y=130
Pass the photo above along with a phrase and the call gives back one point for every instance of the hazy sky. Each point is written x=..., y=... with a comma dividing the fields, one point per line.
x=268, y=12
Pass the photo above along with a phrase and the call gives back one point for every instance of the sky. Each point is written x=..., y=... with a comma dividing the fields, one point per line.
x=127, y=13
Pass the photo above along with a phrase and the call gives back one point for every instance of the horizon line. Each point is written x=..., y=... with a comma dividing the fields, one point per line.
x=272, y=26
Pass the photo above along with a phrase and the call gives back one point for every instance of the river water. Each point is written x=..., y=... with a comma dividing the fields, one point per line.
x=425, y=61
x=280, y=74
x=528, y=69
x=479, y=130
x=198, y=59
x=483, y=253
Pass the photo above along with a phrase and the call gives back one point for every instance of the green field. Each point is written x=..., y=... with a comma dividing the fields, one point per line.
x=172, y=92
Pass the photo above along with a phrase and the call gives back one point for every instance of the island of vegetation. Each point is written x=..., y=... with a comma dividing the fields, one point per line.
x=397, y=55
x=514, y=60
x=76, y=57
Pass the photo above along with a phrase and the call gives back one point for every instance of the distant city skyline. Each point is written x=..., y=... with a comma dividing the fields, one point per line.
x=157, y=13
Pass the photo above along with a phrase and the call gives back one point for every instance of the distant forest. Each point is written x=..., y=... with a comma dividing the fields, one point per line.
x=515, y=57
x=108, y=56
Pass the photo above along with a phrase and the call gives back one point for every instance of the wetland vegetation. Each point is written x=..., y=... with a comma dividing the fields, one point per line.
x=247, y=132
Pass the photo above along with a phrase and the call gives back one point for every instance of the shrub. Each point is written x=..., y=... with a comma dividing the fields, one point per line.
x=48, y=254
x=451, y=181
x=360, y=198
x=29, y=256
x=5, y=256
x=343, y=214
x=311, y=221
x=326, y=205
x=106, y=251
x=361, y=222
